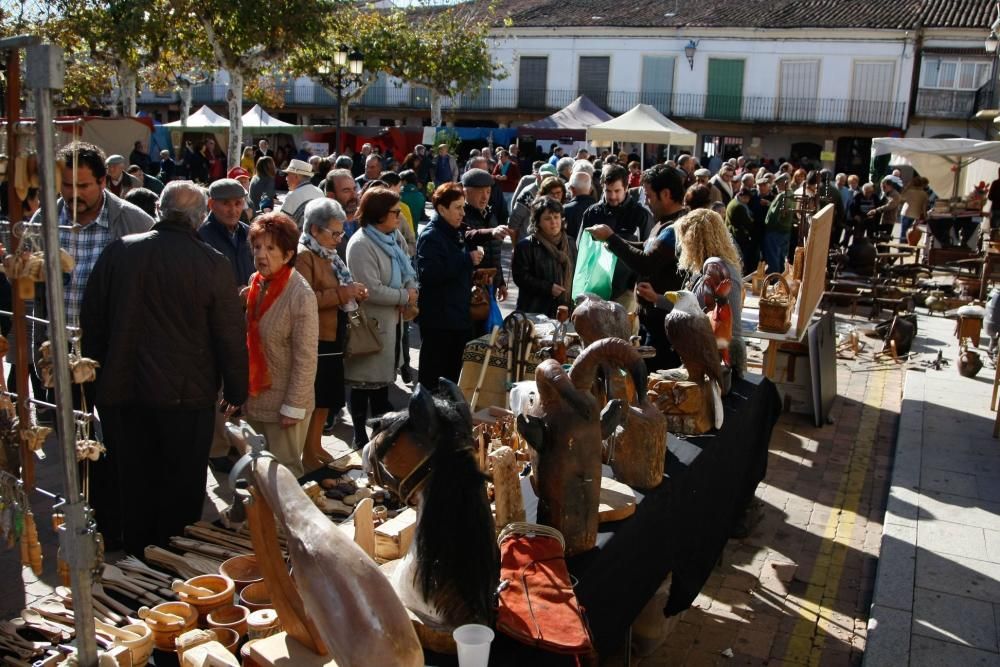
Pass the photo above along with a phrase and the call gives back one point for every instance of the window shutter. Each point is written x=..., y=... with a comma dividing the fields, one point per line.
x=725, y=89
x=872, y=92
x=658, y=82
x=799, y=90
x=593, y=79
x=532, y=80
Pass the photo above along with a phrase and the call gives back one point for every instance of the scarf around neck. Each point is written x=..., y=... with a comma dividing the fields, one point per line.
x=260, y=377
x=402, y=271
x=330, y=255
x=559, y=251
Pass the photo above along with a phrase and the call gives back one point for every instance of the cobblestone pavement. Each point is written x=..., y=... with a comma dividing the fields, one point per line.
x=798, y=589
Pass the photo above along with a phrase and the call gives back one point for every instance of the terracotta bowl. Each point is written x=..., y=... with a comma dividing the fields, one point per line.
x=256, y=596
x=222, y=595
x=233, y=617
x=243, y=570
x=165, y=633
x=227, y=638
x=140, y=648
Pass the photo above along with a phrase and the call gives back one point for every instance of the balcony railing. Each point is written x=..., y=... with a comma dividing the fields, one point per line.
x=673, y=105
x=946, y=103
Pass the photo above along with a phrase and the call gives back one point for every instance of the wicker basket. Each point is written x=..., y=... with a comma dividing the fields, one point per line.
x=776, y=303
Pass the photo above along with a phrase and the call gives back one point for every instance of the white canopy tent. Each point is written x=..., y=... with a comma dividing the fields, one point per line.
x=258, y=119
x=953, y=166
x=202, y=120
x=642, y=124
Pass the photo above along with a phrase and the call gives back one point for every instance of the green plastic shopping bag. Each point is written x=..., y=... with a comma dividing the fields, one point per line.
x=595, y=265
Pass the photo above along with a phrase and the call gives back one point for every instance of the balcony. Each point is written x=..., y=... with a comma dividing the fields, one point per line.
x=749, y=109
x=956, y=104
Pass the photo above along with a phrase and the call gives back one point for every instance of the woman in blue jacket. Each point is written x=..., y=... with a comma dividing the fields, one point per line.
x=444, y=273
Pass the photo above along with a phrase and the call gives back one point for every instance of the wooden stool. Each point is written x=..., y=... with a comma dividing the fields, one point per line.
x=969, y=327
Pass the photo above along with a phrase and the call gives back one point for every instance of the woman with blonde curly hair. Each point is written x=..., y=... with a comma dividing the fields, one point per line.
x=703, y=243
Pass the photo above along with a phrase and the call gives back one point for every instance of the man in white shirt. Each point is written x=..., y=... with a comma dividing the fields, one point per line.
x=300, y=190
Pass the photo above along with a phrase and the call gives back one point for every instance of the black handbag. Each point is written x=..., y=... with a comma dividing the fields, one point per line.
x=362, y=334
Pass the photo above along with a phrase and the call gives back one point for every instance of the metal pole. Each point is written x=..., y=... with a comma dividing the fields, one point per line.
x=76, y=536
x=14, y=214
x=340, y=102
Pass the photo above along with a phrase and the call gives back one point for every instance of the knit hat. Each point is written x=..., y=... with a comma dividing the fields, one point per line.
x=477, y=178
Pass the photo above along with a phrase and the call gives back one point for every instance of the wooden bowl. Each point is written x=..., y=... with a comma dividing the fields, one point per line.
x=256, y=596
x=243, y=570
x=222, y=595
x=165, y=633
x=140, y=648
x=233, y=617
x=228, y=638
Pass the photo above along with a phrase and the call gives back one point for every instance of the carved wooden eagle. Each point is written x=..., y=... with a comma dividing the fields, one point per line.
x=690, y=333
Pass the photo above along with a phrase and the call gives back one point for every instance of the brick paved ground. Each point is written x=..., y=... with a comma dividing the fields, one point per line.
x=798, y=589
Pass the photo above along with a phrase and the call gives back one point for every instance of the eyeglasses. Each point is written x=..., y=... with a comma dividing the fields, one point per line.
x=334, y=234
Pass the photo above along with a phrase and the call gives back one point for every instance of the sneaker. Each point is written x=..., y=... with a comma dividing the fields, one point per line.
x=406, y=375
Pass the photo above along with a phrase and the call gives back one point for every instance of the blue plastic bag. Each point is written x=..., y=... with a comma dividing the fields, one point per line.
x=595, y=266
x=495, y=318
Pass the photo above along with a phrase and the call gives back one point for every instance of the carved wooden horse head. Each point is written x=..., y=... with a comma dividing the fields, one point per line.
x=425, y=455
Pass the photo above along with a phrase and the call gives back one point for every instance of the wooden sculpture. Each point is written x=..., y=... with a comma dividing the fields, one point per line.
x=564, y=429
x=347, y=606
x=690, y=333
x=594, y=319
x=425, y=455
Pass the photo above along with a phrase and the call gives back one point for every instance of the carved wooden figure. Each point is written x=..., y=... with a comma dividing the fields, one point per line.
x=564, y=429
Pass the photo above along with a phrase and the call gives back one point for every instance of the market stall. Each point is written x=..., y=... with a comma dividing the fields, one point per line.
x=954, y=168
x=645, y=125
x=568, y=126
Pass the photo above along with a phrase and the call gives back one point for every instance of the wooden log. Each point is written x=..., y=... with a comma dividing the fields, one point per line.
x=507, y=488
x=687, y=408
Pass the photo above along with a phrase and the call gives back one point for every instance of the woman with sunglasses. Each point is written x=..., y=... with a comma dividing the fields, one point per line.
x=336, y=290
x=376, y=255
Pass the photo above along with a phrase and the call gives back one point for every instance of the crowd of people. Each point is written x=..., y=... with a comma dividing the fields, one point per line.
x=201, y=303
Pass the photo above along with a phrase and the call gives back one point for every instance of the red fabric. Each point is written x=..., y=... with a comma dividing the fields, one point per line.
x=537, y=604
x=260, y=378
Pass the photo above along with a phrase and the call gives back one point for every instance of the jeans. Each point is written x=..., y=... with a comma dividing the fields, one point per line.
x=775, y=250
x=904, y=226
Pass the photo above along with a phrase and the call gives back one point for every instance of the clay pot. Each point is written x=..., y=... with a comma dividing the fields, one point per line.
x=222, y=595
x=263, y=623
x=245, y=658
x=164, y=633
x=140, y=648
x=233, y=617
x=228, y=638
x=256, y=596
x=243, y=570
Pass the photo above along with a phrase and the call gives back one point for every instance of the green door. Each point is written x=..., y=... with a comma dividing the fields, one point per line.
x=725, y=89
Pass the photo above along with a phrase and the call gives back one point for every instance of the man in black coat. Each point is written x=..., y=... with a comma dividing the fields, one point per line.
x=580, y=185
x=223, y=229
x=626, y=217
x=162, y=316
x=481, y=227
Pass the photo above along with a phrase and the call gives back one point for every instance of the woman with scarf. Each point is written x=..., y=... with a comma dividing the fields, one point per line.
x=336, y=290
x=376, y=256
x=544, y=261
x=282, y=332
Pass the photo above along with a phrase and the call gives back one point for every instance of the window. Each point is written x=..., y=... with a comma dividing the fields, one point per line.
x=872, y=93
x=593, y=81
x=533, y=74
x=376, y=93
x=725, y=89
x=658, y=82
x=799, y=90
x=951, y=73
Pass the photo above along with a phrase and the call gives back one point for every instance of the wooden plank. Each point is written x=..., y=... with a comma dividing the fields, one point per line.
x=280, y=649
x=392, y=538
x=814, y=267
x=617, y=500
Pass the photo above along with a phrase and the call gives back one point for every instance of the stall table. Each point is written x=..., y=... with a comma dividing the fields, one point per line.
x=678, y=528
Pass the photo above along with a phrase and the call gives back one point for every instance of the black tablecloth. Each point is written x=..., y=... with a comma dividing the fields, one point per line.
x=681, y=526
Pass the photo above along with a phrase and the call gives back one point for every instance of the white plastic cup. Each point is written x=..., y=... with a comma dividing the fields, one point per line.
x=473, y=642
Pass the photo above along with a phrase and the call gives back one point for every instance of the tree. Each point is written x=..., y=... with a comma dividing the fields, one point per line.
x=245, y=36
x=447, y=51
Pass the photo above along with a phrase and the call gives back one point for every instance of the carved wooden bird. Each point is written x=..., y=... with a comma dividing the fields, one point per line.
x=690, y=332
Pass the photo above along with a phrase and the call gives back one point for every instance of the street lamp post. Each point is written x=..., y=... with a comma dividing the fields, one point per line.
x=347, y=68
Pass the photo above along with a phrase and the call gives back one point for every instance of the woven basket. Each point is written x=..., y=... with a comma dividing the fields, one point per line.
x=776, y=303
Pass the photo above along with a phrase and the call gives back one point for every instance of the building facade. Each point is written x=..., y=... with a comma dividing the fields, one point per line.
x=776, y=79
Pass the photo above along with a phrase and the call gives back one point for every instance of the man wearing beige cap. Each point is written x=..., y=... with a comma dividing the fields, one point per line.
x=300, y=190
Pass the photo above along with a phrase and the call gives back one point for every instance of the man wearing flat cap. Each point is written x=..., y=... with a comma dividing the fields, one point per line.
x=118, y=182
x=480, y=226
x=226, y=232
x=300, y=190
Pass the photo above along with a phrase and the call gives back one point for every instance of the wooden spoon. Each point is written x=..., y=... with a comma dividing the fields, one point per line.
x=100, y=594
x=9, y=631
x=52, y=634
x=101, y=611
